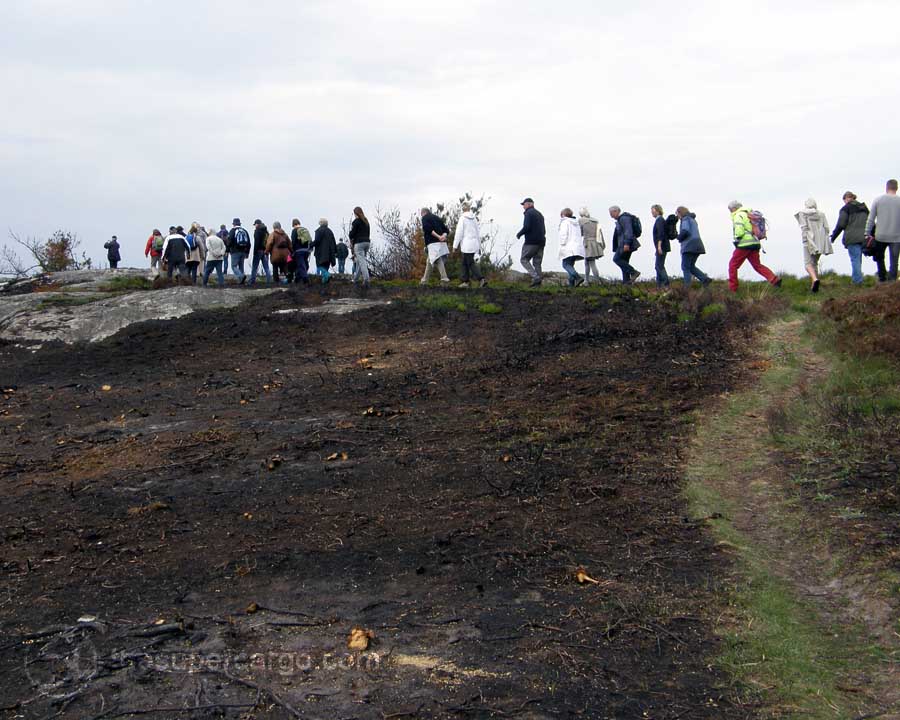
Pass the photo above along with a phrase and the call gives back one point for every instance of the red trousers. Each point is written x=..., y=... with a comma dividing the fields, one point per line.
x=738, y=258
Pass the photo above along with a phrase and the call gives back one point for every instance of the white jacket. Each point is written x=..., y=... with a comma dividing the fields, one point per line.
x=215, y=248
x=468, y=234
x=814, y=229
x=571, y=244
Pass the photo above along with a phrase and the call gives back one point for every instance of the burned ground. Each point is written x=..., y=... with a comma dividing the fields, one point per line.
x=200, y=538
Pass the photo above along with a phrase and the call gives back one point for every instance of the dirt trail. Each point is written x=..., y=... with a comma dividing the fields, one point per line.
x=748, y=474
x=200, y=537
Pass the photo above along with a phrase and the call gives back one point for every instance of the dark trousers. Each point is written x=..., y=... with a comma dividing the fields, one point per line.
x=341, y=263
x=885, y=271
x=181, y=267
x=301, y=273
x=662, y=277
x=470, y=268
x=113, y=264
x=622, y=259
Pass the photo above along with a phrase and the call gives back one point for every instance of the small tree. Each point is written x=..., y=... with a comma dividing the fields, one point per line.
x=59, y=252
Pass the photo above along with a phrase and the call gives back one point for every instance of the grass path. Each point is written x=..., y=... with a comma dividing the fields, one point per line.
x=803, y=637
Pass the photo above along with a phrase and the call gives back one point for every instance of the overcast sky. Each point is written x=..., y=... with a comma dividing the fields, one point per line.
x=121, y=116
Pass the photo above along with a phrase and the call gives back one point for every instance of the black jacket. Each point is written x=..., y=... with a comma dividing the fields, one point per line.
x=177, y=250
x=260, y=235
x=231, y=244
x=432, y=223
x=624, y=234
x=325, y=247
x=342, y=251
x=660, y=236
x=297, y=240
x=359, y=231
x=112, y=251
x=533, y=229
x=852, y=222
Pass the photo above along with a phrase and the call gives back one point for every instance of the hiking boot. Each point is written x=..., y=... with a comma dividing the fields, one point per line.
x=463, y=285
x=445, y=281
x=423, y=283
x=536, y=282
x=482, y=283
x=815, y=286
x=707, y=282
x=634, y=276
x=579, y=282
x=777, y=282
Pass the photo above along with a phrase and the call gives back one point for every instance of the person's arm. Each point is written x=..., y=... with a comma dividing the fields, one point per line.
x=870, y=223
x=843, y=220
x=526, y=225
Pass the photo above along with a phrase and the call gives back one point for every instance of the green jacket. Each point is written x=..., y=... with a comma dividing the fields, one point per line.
x=744, y=239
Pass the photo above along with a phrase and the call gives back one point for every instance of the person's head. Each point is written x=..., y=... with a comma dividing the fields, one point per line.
x=849, y=196
x=584, y=212
x=114, y=237
x=358, y=212
x=528, y=203
x=194, y=227
x=734, y=205
x=466, y=207
x=323, y=222
x=566, y=213
x=656, y=210
x=891, y=187
x=295, y=223
x=236, y=222
x=614, y=212
x=681, y=211
x=811, y=204
x=156, y=231
x=172, y=229
x=179, y=230
x=257, y=222
x=222, y=227
x=276, y=225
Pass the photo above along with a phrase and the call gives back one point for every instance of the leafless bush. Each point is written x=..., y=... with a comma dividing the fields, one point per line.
x=59, y=252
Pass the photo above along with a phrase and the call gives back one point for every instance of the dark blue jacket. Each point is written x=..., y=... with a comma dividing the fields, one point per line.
x=624, y=234
x=689, y=237
x=659, y=235
x=112, y=251
x=533, y=229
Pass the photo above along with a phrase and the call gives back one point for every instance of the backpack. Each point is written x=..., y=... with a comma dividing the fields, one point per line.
x=241, y=239
x=636, y=226
x=158, y=242
x=190, y=242
x=758, y=222
x=672, y=227
x=304, y=237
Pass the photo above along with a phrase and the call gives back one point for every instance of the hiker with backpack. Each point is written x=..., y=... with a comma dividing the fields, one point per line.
x=571, y=245
x=594, y=243
x=175, y=252
x=112, y=252
x=195, y=255
x=691, y=247
x=215, y=256
x=153, y=249
x=239, y=247
x=301, y=245
x=662, y=245
x=816, y=236
x=886, y=213
x=625, y=242
x=343, y=252
x=435, y=234
x=852, y=223
x=359, y=245
x=749, y=228
x=260, y=238
x=223, y=236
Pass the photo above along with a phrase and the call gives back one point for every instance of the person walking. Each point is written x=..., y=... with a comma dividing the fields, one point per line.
x=535, y=233
x=594, y=243
x=746, y=247
x=175, y=252
x=215, y=256
x=223, y=236
x=278, y=247
x=194, y=256
x=571, y=245
x=301, y=245
x=467, y=240
x=260, y=238
x=112, y=252
x=153, y=250
x=816, y=236
x=325, y=249
x=239, y=246
x=661, y=245
x=343, y=252
x=359, y=245
x=691, y=247
x=625, y=242
x=435, y=233
x=852, y=223
x=886, y=213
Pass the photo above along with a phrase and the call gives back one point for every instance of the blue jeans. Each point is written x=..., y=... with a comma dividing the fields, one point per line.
x=855, y=253
x=323, y=271
x=689, y=268
x=225, y=264
x=621, y=259
x=207, y=271
x=341, y=262
x=301, y=258
x=257, y=259
x=237, y=265
x=569, y=266
x=662, y=277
